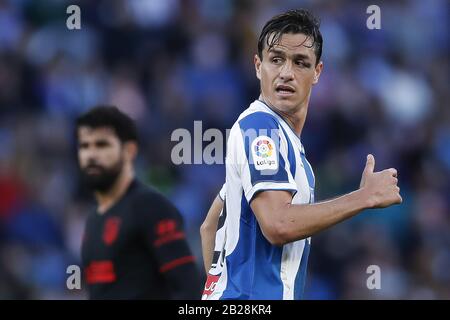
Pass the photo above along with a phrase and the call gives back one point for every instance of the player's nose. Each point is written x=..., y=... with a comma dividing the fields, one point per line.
x=286, y=72
x=91, y=156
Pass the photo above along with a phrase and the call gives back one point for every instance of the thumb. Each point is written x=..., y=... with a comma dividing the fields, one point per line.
x=370, y=164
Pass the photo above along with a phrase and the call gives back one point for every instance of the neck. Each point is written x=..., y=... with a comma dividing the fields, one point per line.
x=295, y=118
x=107, y=199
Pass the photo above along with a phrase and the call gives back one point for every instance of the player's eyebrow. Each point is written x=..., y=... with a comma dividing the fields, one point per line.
x=295, y=56
x=277, y=52
x=301, y=56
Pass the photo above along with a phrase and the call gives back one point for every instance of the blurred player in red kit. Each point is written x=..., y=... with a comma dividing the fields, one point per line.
x=134, y=246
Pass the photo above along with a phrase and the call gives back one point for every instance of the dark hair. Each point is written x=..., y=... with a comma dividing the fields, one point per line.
x=292, y=21
x=110, y=117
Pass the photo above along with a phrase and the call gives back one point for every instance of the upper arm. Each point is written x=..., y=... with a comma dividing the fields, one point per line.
x=214, y=211
x=212, y=218
x=268, y=207
x=161, y=226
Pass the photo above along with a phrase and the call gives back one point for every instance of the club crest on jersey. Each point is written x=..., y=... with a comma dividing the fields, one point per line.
x=264, y=153
x=111, y=230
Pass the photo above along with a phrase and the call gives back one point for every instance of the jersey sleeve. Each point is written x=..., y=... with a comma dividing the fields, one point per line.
x=262, y=148
x=161, y=226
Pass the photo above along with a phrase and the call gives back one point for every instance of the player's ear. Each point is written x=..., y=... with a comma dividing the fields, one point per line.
x=131, y=150
x=257, y=62
x=317, y=71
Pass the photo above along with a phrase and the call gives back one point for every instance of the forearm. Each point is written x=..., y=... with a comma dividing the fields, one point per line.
x=282, y=222
x=208, y=232
x=301, y=221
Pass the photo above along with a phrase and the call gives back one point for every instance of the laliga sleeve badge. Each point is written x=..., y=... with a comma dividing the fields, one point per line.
x=264, y=154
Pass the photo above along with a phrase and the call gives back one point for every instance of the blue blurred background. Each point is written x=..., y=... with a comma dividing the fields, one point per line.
x=170, y=62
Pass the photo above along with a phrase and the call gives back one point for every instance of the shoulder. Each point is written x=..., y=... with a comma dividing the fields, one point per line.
x=147, y=195
x=256, y=116
x=148, y=201
x=258, y=120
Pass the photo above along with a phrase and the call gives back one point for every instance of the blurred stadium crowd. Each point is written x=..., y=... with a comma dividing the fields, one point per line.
x=170, y=62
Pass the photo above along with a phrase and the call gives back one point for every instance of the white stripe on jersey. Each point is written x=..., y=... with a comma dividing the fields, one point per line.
x=292, y=255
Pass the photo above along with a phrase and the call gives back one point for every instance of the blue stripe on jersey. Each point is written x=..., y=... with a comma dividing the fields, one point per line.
x=267, y=282
x=300, y=278
x=246, y=278
x=262, y=121
x=241, y=263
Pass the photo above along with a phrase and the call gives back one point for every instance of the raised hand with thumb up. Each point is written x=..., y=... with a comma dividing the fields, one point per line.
x=380, y=187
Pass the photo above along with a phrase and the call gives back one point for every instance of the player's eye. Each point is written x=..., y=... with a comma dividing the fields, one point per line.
x=101, y=144
x=83, y=145
x=277, y=60
x=302, y=64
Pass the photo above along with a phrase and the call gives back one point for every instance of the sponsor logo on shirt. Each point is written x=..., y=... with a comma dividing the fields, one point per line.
x=100, y=272
x=167, y=231
x=210, y=285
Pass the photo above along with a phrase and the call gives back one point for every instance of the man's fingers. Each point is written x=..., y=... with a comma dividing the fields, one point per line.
x=370, y=164
x=399, y=197
x=393, y=172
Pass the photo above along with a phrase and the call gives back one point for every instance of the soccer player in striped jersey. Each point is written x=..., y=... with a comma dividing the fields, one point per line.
x=262, y=243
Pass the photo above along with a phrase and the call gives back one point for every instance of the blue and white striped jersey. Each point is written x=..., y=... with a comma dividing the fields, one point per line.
x=263, y=153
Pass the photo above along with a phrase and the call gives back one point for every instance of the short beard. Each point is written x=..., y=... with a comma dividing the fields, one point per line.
x=104, y=181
